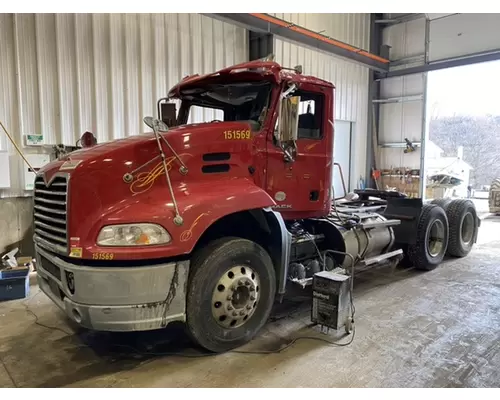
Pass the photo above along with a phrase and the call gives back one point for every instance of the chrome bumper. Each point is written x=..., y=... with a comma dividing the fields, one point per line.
x=115, y=298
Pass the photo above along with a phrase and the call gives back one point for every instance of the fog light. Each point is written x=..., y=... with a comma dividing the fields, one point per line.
x=70, y=280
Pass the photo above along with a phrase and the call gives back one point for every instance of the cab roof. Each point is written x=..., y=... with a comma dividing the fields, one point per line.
x=257, y=70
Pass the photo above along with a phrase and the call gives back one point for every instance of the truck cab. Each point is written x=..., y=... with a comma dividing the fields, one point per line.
x=206, y=222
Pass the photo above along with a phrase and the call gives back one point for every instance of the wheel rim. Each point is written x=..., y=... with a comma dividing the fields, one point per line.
x=467, y=229
x=235, y=296
x=436, y=238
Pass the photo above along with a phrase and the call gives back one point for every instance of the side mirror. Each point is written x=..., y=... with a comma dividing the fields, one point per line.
x=167, y=112
x=288, y=121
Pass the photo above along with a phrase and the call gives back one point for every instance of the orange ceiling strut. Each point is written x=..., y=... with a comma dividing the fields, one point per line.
x=323, y=38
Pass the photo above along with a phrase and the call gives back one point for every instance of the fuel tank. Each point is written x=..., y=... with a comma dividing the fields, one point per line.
x=365, y=243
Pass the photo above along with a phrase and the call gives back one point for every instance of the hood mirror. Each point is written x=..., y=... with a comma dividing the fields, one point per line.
x=156, y=124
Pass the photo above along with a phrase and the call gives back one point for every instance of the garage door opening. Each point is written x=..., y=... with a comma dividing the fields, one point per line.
x=462, y=153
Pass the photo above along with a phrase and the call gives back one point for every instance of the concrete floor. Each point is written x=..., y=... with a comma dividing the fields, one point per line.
x=434, y=329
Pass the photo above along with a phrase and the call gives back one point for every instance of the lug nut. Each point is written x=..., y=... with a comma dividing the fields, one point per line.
x=252, y=289
x=240, y=282
x=229, y=308
x=235, y=313
x=249, y=307
x=233, y=288
x=247, y=283
x=229, y=298
x=242, y=313
x=252, y=298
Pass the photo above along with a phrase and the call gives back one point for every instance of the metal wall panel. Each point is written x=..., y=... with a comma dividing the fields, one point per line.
x=402, y=119
x=350, y=79
x=463, y=34
x=63, y=74
x=405, y=39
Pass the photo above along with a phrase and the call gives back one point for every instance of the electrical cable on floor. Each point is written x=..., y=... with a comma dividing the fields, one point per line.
x=29, y=311
x=186, y=355
x=55, y=328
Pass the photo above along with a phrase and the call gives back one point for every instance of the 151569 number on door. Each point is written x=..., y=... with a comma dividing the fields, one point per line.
x=237, y=135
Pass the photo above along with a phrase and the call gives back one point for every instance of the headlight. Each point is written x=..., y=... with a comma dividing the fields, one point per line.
x=132, y=235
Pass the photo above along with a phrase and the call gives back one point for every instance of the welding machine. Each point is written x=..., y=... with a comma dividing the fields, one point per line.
x=331, y=305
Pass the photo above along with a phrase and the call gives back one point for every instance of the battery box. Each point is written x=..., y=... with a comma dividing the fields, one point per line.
x=331, y=305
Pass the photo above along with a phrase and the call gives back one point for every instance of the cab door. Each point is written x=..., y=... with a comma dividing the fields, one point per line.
x=302, y=187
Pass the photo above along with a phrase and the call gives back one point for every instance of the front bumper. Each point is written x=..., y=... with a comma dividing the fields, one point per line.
x=134, y=298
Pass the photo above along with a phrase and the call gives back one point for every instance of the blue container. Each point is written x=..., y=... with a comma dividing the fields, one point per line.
x=14, y=284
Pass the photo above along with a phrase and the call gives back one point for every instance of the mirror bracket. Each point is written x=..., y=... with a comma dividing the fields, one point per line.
x=286, y=134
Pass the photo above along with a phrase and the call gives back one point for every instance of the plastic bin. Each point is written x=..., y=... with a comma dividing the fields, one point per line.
x=14, y=284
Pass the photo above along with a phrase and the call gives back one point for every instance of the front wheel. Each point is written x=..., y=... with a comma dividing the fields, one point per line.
x=231, y=292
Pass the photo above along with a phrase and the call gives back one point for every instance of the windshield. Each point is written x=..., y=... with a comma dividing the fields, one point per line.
x=241, y=101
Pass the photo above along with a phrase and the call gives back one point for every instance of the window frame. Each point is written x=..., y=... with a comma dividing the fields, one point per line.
x=319, y=100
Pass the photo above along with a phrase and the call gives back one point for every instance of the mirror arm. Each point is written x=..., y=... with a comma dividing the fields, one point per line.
x=288, y=91
x=288, y=155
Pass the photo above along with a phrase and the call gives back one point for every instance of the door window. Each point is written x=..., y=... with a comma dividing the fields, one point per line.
x=310, y=115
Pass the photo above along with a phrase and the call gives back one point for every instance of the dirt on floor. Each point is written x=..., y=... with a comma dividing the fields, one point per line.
x=434, y=329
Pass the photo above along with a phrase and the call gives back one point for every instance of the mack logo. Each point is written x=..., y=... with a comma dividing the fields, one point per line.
x=282, y=206
x=321, y=296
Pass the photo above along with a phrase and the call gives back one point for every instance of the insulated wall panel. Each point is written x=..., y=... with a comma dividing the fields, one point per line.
x=404, y=118
x=462, y=34
x=351, y=80
x=64, y=74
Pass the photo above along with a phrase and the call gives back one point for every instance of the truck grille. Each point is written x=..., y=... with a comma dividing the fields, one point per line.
x=50, y=213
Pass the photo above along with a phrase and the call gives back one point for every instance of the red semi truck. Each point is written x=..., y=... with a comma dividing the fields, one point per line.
x=209, y=223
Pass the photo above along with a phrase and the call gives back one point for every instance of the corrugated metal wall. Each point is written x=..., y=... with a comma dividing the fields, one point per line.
x=350, y=79
x=63, y=74
x=462, y=34
x=450, y=35
x=403, y=119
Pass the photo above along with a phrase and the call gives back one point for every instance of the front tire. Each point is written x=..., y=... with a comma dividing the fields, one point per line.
x=231, y=292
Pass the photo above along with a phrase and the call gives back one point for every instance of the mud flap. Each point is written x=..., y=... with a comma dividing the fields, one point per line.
x=408, y=212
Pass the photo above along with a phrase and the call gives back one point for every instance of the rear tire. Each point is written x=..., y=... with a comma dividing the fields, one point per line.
x=443, y=203
x=463, y=222
x=231, y=292
x=432, y=239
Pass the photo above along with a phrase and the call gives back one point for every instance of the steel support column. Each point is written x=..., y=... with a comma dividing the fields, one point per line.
x=260, y=45
x=373, y=108
x=424, y=134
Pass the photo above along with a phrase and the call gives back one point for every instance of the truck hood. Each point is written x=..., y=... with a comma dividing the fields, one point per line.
x=99, y=191
x=125, y=155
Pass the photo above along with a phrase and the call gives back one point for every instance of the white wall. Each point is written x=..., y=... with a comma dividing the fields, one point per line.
x=404, y=119
x=461, y=34
x=450, y=35
x=63, y=74
x=350, y=79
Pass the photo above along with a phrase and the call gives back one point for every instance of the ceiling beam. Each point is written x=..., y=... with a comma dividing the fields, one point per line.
x=475, y=58
x=266, y=23
x=401, y=19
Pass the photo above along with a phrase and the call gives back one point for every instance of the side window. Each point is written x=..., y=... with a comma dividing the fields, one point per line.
x=204, y=114
x=310, y=115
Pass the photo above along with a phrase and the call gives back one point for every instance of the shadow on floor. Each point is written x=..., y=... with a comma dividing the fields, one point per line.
x=39, y=356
